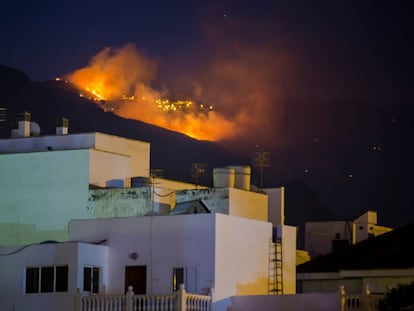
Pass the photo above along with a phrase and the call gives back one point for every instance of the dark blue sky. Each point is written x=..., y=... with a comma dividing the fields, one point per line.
x=329, y=49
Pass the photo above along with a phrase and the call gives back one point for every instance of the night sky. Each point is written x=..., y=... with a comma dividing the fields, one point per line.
x=321, y=49
x=260, y=63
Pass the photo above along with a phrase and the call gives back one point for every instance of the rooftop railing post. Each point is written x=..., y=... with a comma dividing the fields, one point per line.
x=342, y=296
x=367, y=298
x=128, y=299
x=77, y=302
x=181, y=298
x=211, y=294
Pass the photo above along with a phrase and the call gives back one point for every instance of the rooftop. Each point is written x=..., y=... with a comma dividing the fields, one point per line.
x=387, y=251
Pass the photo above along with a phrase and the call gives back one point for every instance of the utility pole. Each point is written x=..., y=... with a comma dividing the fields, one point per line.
x=198, y=170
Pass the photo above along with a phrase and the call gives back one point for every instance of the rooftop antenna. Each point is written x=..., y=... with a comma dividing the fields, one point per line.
x=154, y=173
x=198, y=170
x=261, y=159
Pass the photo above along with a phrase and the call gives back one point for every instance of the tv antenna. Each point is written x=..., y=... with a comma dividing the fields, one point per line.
x=198, y=170
x=261, y=159
x=154, y=173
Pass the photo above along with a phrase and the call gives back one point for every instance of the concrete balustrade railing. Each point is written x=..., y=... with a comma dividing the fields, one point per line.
x=178, y=301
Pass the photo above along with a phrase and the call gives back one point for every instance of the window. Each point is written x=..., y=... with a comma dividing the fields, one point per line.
x=61, y=279
x=32, y=280
x=187, y=276
x=91, y=279
x=46, y=279
x=178, y=278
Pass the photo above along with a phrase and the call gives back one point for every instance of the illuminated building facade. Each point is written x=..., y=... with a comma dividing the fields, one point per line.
x=74, y=215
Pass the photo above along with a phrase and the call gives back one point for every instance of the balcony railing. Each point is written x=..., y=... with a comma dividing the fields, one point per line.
x=360, y=302
x=178, y=301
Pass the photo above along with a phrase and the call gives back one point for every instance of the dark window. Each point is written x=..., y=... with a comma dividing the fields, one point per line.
x=47, y=276
x=87, y=279
x=32, y=280
x=91, y=279
x=46, y=279
x=178, y=278
x=95, y=280
x=61, y=279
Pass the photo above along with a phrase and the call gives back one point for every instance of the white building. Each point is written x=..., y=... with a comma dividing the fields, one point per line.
x=327, y=236
x=75, y=189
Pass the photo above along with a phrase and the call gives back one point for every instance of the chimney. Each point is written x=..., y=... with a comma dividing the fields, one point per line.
x=23, y=124
x=62, y=125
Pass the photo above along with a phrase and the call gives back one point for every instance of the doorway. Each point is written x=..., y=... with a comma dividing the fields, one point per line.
x=136, y=276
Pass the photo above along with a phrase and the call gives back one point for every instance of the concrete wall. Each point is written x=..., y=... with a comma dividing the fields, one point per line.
x=230, y=201
x=160, y=242
x=319, y=235
x=241, y=256
x=43, y=143
x=288, y=235
x=137, y=151
x=247, y=204
x=354, y=281
x=40, y=193
x=276, y=205
x=216, y=199
x=104, y=166
x=308, y=302
x=228, y=253
x=123, y=202
x=14, y=260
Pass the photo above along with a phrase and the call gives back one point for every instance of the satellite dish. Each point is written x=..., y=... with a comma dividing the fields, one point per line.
x=34, y=129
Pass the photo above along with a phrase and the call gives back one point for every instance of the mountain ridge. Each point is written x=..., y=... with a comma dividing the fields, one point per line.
x=336, y=160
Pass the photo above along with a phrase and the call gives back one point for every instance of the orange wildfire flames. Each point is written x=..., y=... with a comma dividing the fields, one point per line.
x=119, y=80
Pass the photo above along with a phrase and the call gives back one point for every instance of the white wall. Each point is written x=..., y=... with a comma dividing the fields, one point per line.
x=247, y=204
x=161, y=242
x=241, y=256
x=230, y=253
x=308, y=302
x=288, y=235
x=319, y=235
x=138, y=151
x=14, y=260
x=104, y=166
x=40, y=193
x=229, y=201
x=42, y=143
x=276, y=205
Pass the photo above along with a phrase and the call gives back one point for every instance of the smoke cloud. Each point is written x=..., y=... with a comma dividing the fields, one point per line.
x=240, y=80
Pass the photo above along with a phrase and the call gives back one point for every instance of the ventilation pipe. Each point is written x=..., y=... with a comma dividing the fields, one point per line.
x=23, y=125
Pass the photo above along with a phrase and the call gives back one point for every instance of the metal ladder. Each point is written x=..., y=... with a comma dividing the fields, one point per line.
x=275, y=284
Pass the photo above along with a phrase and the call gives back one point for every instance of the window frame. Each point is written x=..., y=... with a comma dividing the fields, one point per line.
x=175, y=281
x=94, y=275
x=43, y=279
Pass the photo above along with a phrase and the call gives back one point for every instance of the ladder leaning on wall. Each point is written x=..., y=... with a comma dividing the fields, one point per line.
x=275, y=285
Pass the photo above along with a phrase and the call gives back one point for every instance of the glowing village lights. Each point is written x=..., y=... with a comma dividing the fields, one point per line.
x=119, y=81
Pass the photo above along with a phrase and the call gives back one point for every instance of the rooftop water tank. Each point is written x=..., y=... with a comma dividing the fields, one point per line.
x=115, y=183
x=140, y=181
x=223, y=177
x=242, y=177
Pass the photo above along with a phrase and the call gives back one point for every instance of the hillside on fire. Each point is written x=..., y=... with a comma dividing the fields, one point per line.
x=336, y=159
